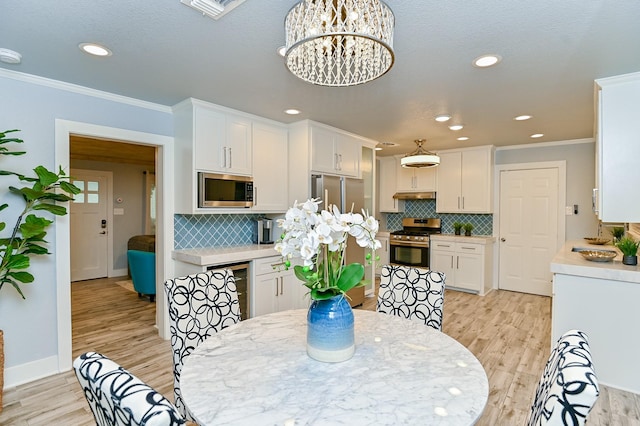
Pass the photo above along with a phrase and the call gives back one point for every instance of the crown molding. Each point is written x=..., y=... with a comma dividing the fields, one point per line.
x=82, y=90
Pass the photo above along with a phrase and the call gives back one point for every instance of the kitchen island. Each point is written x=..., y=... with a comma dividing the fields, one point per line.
x=603, y=300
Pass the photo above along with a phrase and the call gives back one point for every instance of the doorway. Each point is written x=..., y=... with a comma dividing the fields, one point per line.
x=164, y=241
x=531, y=224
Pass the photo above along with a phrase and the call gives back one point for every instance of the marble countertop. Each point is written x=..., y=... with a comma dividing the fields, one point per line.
x=257, y=372
x=223, y=255
x=572, y=263
x=477, y=239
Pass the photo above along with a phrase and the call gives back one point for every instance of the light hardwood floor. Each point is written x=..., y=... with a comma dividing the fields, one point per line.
x=508, y=332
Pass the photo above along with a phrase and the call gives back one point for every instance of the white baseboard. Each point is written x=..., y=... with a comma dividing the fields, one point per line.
x=30, y=371
x=119, y=273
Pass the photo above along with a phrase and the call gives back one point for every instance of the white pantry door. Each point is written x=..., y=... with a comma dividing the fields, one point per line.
x=528, y=229
x=89, y=227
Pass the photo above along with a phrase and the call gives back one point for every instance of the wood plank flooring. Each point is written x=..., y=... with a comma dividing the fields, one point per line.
x=508, y=332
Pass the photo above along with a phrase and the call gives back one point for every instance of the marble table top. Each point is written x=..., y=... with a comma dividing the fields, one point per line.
x=257, y=372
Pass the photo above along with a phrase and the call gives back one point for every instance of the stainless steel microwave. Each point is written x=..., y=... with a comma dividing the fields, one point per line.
x=218, y=190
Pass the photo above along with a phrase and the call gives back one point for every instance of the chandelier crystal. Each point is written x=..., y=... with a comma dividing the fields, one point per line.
x=339, y=42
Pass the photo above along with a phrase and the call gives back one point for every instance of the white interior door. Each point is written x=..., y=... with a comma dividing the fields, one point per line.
x=89, y=225
x=528, y=229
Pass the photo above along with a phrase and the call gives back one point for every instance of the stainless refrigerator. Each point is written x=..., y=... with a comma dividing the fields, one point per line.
x=348, y=195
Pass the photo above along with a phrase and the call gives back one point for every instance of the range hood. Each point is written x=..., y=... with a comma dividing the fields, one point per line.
x=415, y=196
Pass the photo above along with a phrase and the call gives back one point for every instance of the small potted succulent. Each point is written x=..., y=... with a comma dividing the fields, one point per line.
x=457, y=226
x=468, y=227
x=629, y=248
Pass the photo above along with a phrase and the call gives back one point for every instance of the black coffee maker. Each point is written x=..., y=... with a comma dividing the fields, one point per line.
x=263, y=231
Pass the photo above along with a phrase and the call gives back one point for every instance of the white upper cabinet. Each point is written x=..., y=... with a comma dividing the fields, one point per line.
x=270, y=171
x=617, y=148
x=465, y=181
x=222, y=142
x=334, y=152
x=318, y=148
x=388, y=186
x=415, y=179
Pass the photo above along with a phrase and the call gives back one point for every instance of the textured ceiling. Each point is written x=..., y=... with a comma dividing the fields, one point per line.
x=164, y=52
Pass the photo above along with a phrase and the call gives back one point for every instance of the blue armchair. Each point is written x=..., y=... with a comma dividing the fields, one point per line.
x=143, y=272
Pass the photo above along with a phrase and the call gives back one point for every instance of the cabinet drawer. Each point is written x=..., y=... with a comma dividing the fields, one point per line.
x=266, y=265
x=442, y=246
x=462, y=248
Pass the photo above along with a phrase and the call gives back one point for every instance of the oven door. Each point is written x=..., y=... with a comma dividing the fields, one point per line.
x=409, y=255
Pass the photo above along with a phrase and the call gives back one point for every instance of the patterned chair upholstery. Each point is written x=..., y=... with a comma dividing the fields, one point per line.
x=200, y=305
x=117, y=397
x=568, y=387
x=413, y=293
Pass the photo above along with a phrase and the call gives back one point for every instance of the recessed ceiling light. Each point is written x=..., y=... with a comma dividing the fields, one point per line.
x=442, y=118
x=486, y=60
x=522, y=117
x=292, y=111
x=281, y=50
x=463, y=138
x=388, y=144
x=537, y=135
x=95, y=49
x=456, y=127
x=10, y=57
x=378, y=148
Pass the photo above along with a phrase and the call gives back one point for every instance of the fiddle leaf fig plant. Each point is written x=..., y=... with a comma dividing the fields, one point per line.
x=26, y=239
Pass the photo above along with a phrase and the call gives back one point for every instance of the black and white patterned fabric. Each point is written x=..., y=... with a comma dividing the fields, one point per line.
x=117, y=397
x=568, y=387
x=413, y=293
x=200, y=305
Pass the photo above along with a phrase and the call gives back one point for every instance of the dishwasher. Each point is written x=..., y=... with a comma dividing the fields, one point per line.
x=241, y=275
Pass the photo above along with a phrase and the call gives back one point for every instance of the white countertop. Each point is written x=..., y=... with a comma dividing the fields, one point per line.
x=572, y=263
x=476, y=239
x=257, y=372
x=222, y=255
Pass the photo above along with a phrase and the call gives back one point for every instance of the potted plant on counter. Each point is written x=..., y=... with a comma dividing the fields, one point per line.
x=26, y=237
x=629, y=248
x=457, y=226
x=468, y=227
x=617, y=232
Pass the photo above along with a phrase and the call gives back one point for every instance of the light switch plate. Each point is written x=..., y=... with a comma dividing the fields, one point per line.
x=118, y=212
x=568, y=210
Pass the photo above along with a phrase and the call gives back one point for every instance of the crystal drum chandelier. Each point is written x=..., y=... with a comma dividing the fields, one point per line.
x=339, y=42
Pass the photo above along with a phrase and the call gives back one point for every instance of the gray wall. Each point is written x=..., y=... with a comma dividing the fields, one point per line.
x=30, y=326
x=580, y=160
x=128, y=184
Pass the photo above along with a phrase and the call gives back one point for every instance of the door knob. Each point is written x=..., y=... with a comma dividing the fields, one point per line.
x=503, y=240
x=103, y=232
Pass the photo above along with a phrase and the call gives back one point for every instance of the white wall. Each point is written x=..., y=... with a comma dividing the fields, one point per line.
x=580, y=159
x=32, y=105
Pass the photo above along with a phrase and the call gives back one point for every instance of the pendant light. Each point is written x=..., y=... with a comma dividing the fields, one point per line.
x=420, y=157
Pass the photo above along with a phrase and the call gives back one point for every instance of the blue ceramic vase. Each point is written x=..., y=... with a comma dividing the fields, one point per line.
x=330, y=335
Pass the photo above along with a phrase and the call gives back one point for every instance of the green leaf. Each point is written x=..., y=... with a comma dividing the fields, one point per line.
x=51, y=208
x=34, y=226
x=35, y=249
x=16, y=286
x=23, y=277
x=46, y=177
x=302, y=275
x=4, y=206
x=350, y=277
x=69, y=187
x=17, y=261
x=55, y=196
x=2, y=226
x=324, y=294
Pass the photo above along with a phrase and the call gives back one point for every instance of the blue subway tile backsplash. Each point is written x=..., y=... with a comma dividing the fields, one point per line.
x=219, y=230
x=482, y=223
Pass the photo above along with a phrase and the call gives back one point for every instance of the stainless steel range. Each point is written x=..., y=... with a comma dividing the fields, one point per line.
x=410, y=245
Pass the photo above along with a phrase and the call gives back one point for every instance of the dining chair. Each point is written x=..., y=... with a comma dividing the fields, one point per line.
x=413, y=293
x=568, y=388
x=199, y=305
x=118, y=398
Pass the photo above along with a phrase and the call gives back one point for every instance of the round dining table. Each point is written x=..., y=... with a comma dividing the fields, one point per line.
x=257, y=372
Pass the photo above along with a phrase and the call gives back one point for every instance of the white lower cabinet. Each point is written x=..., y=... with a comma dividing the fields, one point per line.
x=466, y=262
x=275, y=289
